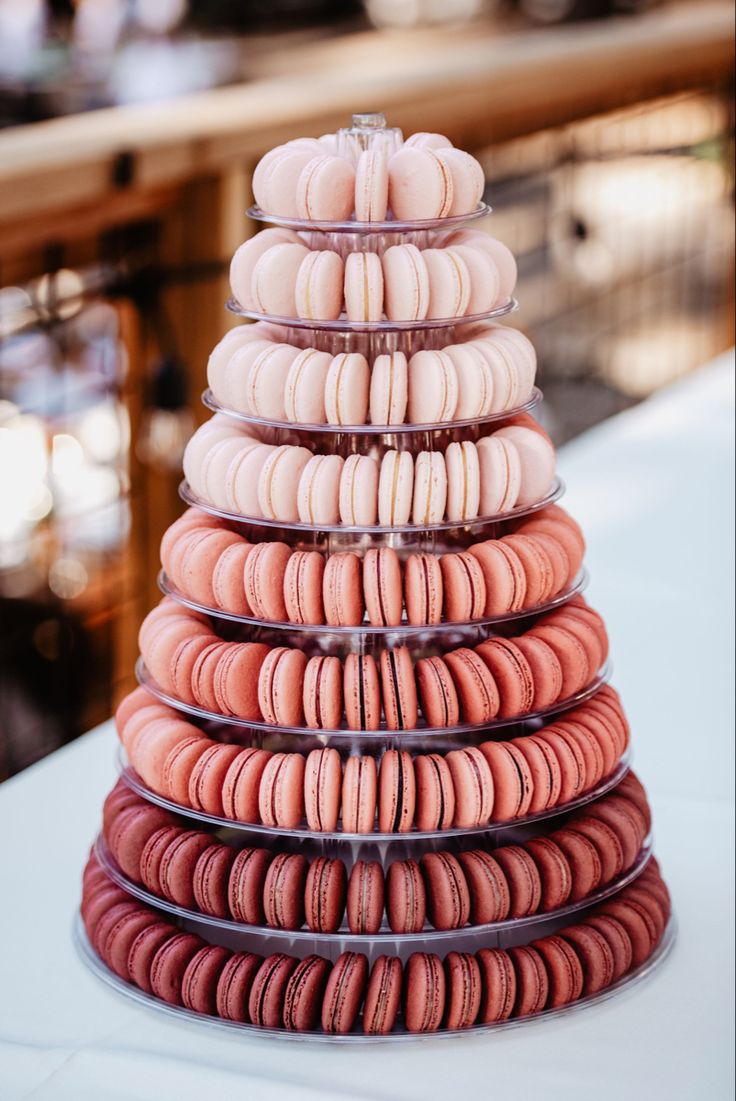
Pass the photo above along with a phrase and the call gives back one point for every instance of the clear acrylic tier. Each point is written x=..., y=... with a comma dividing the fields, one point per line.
x=177, y=1013
x=391, y=636
x=343, y=325
x=377, y=843
x=469, y=938
x=383, y=736
x=370, y=235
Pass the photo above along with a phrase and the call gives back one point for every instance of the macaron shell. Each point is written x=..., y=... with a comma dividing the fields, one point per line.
x=424, y=992
x=365, y=897
x=344, y=993
x=304, y=993
x=383, y=996
x=498, y=985
x=463, y=983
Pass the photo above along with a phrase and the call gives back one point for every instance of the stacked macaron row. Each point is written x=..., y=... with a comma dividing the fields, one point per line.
x=501, y=679
x=277, y=274
x=500, y=781
x=286, y=890
x=211, y=565
x=234, y=470
x=423, y=995
x=311, y=179
x=486, y=375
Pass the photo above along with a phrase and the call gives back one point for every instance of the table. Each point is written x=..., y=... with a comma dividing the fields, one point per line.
x=653, y=491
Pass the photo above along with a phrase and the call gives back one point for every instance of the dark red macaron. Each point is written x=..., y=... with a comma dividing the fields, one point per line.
x=245, y=891
x=490, y=900
x=304, y=993
x=554, y=871
x=498, y=985
x=268, y=990
x=532, y=983
x=211, y=879
x=564, y=970
x=463, y=986
x=522, y=876
x=283, y=891
x=365, y=897
x=406, y=897
x=199, y=984
x=143, y=951
x=324, y=894
x=169, y=965
x=595, y=956
x=425, y=990
x=234, y=985
x=344, y=993
x=448, y=897
x=383, y=996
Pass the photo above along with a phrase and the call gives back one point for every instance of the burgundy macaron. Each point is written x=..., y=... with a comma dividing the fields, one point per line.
x=344, y=993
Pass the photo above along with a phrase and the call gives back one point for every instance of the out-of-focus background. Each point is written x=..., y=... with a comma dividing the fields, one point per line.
x=129, y=130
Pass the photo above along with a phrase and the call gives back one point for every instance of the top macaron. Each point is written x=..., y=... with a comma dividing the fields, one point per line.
x=426, y=179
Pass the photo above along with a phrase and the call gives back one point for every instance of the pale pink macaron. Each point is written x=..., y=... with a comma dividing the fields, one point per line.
x=279, y=481
x=500, y=253
x=216, y=429
x=449, y=283
x=468, y=180
x=500, y=475
x=485, y=281
x=273, y=283
x=389, y=390
x=277, y=175
x=463, y=481
x=430, y=488
x=242, y=480
x=359, y=491
x=215, y=466
x=318, y=492
x=420, y=186
x=346, y=389
x=364, y=287
x=371, y=186
x=266, y=382
x=537, y=462
x=304, y=393
x=230, y=383
x=506, y=378
x=474, y=381
x=425, y=140
x=433, y=387
x=405, y=284
x=231, y=342
x=325, y=190
x=395, y=489
x=522, y=352
x=247, y=255
x=319, y=286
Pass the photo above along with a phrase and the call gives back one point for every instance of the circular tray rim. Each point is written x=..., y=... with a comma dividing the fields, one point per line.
x=342, y=325
x=364, y=229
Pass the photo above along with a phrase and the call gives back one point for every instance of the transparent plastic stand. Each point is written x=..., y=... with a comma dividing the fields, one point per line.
x=178, y=1013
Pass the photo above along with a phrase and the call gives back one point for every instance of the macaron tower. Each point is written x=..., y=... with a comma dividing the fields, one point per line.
x=374, y=781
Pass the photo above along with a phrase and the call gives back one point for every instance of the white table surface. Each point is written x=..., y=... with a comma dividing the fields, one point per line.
x=653, y=491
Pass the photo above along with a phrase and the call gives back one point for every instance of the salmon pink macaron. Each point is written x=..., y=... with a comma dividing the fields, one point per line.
x=344, y=993
x=283, y=891
x=523, y=878
x=430, y=488
x=318, y=492
x=281, y=796
x=503, y=573
x=228, y=586
x=498, y=985
x=449, y=283
x=304, y=389
x=433, y=387
x=358, y=495
x=500, y=474
x=382, y=586
x=512, y=674
x=546, y=670
x=363, y=287
x=389, y=390
x=322, y=784
x=178, y=767
x=564, y=970
x=473, y=783
x=396, y=792
x=395, y=489
x=405, y=284
x=359, y=795
x=273, y=282
x=323, y=677
x=618, y=939
x=207, y=778
x=595, y=955
x=318, y=292
x=383, y=996
x=477, y=690
x=423, y=589
x=304, y=992
x=197, y=564
x=463, y=586
x=324, y=894
x=571, y=655
x=532, y=981
x=463, y=990
x=264, y=576
x=435, y=800
x=236, y=679
x=554, y=871
x=346, y=389
x=244, y=260
x=281, y=687
x=540, y=579
x=325, y=190
x=537, y=457
x=342, y=590
x=424, y=992
x=302, y=587
x=420, y=185
x=371, y=186
x=583, y=858
x=241, y=785
x=399, y=689
x=468, y=180
x=129, y=833
x=512, y=780
x=365, y=897
x=437, y=693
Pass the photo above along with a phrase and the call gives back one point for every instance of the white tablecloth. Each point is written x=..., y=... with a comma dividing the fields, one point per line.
x=653, y=491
